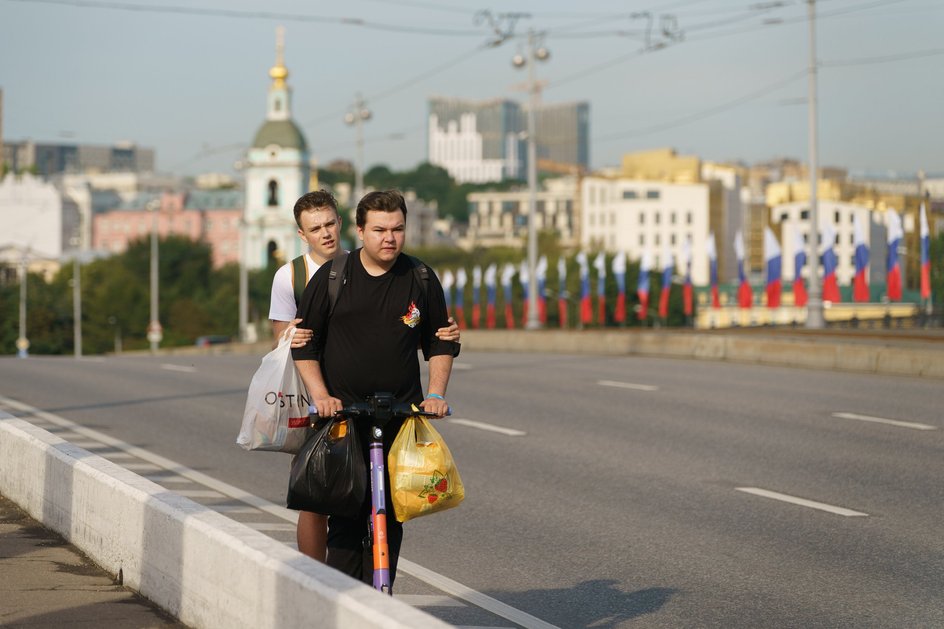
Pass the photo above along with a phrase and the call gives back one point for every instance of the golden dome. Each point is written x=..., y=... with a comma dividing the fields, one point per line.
x=278, y=73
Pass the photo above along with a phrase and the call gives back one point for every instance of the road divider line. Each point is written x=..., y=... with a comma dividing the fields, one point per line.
x=430, y=600
x=183, y=368
x=478, y=599
x=510, y=432
x=627, y=385
x=882, y=420
x=276, y=527
x=803, y=502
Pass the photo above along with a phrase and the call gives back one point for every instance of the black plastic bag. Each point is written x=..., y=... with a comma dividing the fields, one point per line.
x=329, y=474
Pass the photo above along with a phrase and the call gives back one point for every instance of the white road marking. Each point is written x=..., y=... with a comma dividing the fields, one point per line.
x=803, y=502
x=233, y=509
x=430, y=600
x=478, y=599
x=271, y=527
x=184, y=368
x=116, y=455
x=511, y=432
x=198, y=493
x=141, y=467
x=167, y=478
x=882, y=420
x=434, y=579
x=627, y=385
x=87, y=444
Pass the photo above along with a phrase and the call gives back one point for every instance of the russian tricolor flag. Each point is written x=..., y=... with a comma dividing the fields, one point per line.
x=562, y=291
x=713, y=269
x=586, y=309
x=491, y=289
x=745, y=294
x=599, y=263
x=642, y=286
x=893, y=267
x=461, y=279
x=860, y=283
x=830, y=262
x=666, y=289
x=524, y=276
x=476, y=290
x=618, y=265
x=799, y=261
x=687, y=296
x=508, y=272
x=542, y=283
x=773, y=261
x=925, y=256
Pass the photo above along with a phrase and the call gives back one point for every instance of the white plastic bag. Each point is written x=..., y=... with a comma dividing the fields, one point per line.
x=276, y=415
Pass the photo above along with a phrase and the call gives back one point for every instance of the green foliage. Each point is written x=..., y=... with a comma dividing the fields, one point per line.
x=334, y=177
x=195, y=300
x=936, y=253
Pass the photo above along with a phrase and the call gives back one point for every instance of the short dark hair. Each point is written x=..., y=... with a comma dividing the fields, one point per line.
x=314, y=201
x=382, y=201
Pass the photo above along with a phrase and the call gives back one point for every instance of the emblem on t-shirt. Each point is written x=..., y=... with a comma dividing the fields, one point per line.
x=412, y=316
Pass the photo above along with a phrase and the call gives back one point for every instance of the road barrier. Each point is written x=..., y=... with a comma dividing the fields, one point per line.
x=899, y=357
x=204, y=568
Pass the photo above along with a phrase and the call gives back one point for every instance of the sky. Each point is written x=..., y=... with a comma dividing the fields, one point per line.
x=728, y=82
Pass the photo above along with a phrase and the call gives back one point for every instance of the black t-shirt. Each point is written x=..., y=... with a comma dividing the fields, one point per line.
x=370, y=342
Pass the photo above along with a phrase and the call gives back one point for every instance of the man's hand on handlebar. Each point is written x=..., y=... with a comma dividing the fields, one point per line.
x=327, y=406
x=436, y=406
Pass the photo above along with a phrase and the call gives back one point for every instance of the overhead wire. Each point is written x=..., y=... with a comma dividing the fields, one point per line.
x=254, y=15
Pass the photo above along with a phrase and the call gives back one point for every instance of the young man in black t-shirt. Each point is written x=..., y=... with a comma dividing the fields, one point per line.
x=369, y=344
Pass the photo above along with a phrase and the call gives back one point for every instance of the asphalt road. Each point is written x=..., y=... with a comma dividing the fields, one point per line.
x=638, y=495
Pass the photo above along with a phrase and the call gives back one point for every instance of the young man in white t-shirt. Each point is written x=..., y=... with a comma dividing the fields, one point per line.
x=319, y=224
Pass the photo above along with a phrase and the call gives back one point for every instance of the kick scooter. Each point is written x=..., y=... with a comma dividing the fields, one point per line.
x=381, y=409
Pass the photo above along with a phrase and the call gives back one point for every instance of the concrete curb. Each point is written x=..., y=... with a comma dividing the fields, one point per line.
x=205, y=569
x=834, y=353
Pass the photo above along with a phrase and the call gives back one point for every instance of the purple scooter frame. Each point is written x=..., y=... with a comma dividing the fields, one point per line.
x=380, y=408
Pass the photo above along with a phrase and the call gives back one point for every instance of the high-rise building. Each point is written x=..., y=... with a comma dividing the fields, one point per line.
x=47, y=159
x=476, y=141
x=481, y=141
x=563, y=133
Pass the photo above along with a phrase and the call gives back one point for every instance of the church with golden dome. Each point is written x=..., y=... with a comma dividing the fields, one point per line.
x=277, y=173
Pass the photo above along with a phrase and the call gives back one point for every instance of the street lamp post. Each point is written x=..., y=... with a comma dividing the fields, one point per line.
x=814, y=310
x=22, y=343
x=243, y=279
x=536, y=52
x=357, y=116
x=155, y=332
x=77, y=299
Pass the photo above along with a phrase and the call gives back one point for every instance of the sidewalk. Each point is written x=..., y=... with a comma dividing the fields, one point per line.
x=46, y=582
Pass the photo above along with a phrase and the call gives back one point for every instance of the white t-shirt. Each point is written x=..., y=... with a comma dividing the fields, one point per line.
x=282, y=306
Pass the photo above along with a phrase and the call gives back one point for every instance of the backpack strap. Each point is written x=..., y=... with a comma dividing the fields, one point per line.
x=299, y=276
x=336, y=278
x=421, y=271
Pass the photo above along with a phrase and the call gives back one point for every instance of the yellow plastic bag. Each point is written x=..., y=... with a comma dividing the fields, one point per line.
x=423, y=474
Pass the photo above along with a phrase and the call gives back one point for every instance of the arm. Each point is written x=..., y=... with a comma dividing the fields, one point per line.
x=440, y=368
x=282, y=308
x=302, y=335
x=310, y=371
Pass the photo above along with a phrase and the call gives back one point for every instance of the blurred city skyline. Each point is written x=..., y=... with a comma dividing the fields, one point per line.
x=721, y=79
